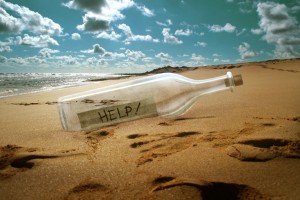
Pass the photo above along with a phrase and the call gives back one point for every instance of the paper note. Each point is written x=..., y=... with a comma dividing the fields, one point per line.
x=117, y=113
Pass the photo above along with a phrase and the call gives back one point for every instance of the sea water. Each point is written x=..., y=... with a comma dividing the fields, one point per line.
x=12, y=84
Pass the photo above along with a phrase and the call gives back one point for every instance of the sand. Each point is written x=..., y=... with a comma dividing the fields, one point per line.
x=240, y=145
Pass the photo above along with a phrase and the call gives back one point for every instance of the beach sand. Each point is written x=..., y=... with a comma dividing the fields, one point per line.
x=240, y=145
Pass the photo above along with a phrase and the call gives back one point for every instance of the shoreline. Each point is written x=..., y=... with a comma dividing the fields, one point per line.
x=166, y=69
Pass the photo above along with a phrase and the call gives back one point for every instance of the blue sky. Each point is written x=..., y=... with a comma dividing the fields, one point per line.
x=114, y=36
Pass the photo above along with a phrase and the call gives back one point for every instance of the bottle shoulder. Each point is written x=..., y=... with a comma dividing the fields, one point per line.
x=174, y=76
x=152, y=81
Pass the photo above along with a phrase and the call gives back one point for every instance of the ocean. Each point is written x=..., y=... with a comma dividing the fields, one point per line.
x=12, y=84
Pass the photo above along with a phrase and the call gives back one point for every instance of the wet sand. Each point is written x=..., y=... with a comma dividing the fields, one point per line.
x=240, y=145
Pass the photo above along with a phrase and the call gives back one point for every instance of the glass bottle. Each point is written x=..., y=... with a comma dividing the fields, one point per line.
x=166, y=95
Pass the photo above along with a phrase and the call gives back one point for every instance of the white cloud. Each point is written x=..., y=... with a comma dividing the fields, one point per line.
x=113, y=55
x=225, y=60
x=46, y=52
x=295, y=9
x=241, y=32
x=34, y=60
x=112, y=11
x=5, y=49
x=92, y=61
x=244, y=51
x=93, y=23
x=126, y=29
x=280, y=29
x=167, y=23
x=142, y=37
x=195, y=60
x=257, y=31
x=145, y=11
x=201, y=44
x=164, y=57
x=3, y=59
x=216, y=55
x=198, y=58
x=134, y=55
x=187, y=32
x=99, y=13
x=96, y=49
x=161, y=23
x=67, y=60
x=36, y=41
x=92, y=6
x=75, y=36
x=17, y=60
x=132, y=37
x=112, y=36
x=9, y=23
x=199, y=34
x=147, y=59
x=169, y=38
x=226, y=28
x=28, y=20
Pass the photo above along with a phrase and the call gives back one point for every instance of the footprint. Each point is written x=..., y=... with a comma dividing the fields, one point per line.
x=99, y=103
x=26, y=104
x=174, y=121
x=15, y=159
x=209, y=190
x=295, y=119
x=89, y=190
x=134, y=136
x=186, y=134
x=279, y=69
x=191, y=118
x=139, y=144
x=67, y=151
x=229, y=137
x=98, y=133
x=252, y=128
x=254, y=150
x=258, y=150
x=171, y=122
x=161, y=145
x=93, y=139
x=162, y=179
x=164, y=124
x=266, y=143
x=51, y=102
x=183, y=119
x=24, y=161
x=34, y=103
x=249, y=153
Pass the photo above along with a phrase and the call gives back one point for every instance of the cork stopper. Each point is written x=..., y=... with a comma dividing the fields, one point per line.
x=238, y=80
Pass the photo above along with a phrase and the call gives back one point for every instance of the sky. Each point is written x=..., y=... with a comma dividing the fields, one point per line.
x=126, y=36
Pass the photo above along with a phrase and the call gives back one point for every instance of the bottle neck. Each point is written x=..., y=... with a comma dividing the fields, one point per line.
x=217, y=84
